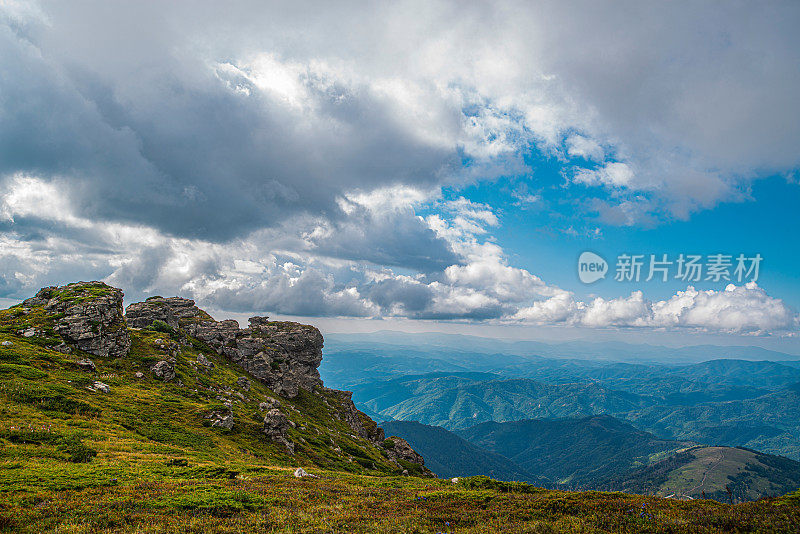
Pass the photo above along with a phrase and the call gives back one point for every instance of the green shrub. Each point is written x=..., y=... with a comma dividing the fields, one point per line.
x=76, y=451
x=160, y=326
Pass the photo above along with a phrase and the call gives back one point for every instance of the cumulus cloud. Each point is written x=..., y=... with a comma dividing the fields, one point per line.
x=294, y=160
x=740, y=309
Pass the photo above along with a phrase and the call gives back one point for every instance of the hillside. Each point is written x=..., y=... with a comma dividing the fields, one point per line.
x=720, y=473
x=167, y=383
x=572, y=451
x=448, y=455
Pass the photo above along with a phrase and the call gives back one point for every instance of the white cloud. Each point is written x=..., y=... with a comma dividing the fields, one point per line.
x=613, y=174
x=737, y=309
x=580, y=146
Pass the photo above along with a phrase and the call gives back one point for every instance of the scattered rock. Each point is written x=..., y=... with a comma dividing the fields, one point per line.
x=163, y=370
x=139, y=374
x=102, y=387
x=63, y=348
x=86, y=365
x=205, y=362
x=405, y=472
x=30, y=332
x=244, y=383
x=300, y=473
x=7, y=343
x=454, y=480
x=275, y=425
x=264, y=406
x=222, y=419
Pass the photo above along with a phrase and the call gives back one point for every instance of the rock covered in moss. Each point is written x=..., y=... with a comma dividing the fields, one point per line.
x=86, y=365
x=88, y=315
x=275, y=426
x=174, y=311
x=163, y=370
x=399, y=449
x=282, y=355
x=221, y=418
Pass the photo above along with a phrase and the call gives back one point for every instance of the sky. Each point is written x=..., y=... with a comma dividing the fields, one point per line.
x=433, y=165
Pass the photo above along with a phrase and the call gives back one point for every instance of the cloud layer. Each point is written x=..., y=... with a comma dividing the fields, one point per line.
x=263, y=157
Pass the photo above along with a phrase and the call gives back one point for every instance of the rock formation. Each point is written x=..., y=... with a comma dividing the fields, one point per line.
x=283, y=355
x=89, y=315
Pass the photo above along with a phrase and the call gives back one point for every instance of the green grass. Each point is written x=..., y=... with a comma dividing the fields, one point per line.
x=141, y=459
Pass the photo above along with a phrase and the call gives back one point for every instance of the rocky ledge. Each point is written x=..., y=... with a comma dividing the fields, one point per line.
x=87, y=315
x=281, y=354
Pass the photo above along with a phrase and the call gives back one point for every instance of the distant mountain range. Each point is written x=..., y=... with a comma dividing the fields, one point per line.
x=599, y=452
x=614, y=351
x=754, y=404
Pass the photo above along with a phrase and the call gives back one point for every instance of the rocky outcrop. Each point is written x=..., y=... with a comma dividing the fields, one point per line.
x=282, y=355
x=163, y=370
x=175, y=311
x=399, y=449
x=88, y=315
x=345, y=410
x=275, y=426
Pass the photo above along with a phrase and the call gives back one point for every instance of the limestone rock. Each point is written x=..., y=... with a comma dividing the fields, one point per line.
x=401, y=450
x=174, y=311
x=361, y=424
x=86, y=365
x=63, y=348
x=300, y=473
x=275, y=426
x=220, y=418
x=7, y=343
x=90, y=316
x=205, y=362
x=282, y=355
x=139, y=374
x=163, y=370
x=101, y=386
x=243, y=383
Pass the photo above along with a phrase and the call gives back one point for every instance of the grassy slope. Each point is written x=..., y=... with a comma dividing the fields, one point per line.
x=140, y=459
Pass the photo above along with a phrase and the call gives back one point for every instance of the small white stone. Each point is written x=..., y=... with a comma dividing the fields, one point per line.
x=100, y=386
x=6, y=343
x=454, y=480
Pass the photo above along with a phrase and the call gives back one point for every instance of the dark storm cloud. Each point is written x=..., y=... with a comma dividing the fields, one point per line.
x=170, y=145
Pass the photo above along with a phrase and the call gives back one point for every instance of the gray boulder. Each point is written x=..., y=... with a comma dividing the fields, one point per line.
x=275, y=426
x=86, y=365
x=101, y=386
x=243, y=383
x=220, y=418
x=175, y=311
x=163, y=370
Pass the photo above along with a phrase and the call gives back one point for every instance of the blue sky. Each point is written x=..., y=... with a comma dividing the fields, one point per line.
x=539, y=237
x=426, y=164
